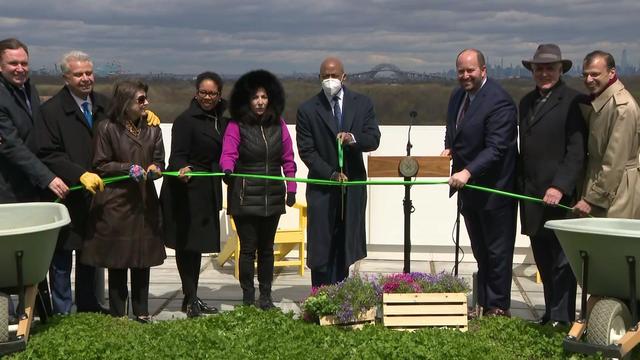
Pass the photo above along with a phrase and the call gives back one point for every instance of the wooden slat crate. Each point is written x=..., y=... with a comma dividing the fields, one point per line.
x=416, y=310
x=368, y=317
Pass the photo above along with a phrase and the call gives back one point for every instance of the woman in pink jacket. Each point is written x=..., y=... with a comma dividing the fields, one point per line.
x=257, y=141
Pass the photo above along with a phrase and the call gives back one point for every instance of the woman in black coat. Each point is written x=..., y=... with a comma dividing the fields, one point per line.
x=191, y=205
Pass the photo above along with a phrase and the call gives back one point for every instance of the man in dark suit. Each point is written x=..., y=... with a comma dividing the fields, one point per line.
x=551, y=160
x=66, y=147
x=22, y=175
x=336, y=216
x=481, y=138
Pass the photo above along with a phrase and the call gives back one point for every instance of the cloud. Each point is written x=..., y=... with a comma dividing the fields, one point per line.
x=232, y=36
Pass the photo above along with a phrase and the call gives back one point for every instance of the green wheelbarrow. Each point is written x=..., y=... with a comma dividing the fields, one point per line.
x=603, y=254
x=28, y=236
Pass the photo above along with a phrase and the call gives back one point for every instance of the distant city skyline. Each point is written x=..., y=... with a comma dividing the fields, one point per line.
x=495, y=69
x=234, y=36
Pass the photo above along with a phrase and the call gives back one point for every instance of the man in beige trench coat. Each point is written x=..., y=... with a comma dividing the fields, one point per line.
x=612, y=181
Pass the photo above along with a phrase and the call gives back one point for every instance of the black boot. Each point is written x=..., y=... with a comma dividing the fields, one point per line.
x=248, y=296
x=265, y=302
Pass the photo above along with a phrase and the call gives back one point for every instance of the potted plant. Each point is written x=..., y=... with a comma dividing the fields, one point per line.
x=351, y=303
x=414, y=300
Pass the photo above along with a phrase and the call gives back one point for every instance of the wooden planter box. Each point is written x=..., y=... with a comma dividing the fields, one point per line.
x=416, y=310
x=368, y=317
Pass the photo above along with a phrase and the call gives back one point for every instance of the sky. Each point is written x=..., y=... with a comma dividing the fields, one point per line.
x=289, y=36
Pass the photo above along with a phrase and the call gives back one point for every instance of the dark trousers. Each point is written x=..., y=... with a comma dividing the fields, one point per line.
x=118, y=291
x=336, y=268
x=256, y=233
x=60, y=284
x=188, y=263
x=492, y=234
x=558, y=280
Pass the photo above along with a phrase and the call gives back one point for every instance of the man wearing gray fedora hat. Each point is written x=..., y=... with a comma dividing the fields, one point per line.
x=551, y=160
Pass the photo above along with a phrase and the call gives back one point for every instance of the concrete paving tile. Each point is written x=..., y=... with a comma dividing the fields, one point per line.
x=529, y=284
x=522, y=314
x=464, y=268
x=518, y=304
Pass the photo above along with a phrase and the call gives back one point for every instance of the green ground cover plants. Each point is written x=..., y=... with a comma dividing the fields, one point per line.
x=248, y=333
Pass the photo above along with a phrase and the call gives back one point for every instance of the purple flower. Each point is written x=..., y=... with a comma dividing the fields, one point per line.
x=422, y=282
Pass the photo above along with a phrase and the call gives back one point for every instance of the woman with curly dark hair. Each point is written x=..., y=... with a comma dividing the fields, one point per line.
x=191, y=205
x=257, y=141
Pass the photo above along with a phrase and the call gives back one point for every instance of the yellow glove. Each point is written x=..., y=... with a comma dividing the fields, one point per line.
x=153, y=172
x=152, y=118
x=92, y=182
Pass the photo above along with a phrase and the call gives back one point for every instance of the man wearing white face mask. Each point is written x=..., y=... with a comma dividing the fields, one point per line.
x=336, y=228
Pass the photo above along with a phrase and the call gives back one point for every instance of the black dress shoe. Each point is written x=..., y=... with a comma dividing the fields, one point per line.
x=144, y=319
x=207, y=309
x=193, y=310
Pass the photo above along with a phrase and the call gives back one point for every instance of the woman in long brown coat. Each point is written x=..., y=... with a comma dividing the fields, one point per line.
x=124, y=221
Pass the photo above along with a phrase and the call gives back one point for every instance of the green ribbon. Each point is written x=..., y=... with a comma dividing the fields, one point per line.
x=340, y=153
x=513, y=195
x=111, y=180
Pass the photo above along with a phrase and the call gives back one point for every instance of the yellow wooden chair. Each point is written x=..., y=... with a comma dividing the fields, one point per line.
x=285, y=241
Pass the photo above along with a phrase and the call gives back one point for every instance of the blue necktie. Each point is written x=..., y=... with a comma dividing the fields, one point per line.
x=337, y=113
x=87, y=114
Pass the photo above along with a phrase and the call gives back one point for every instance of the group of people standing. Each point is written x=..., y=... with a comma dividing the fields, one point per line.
x=576, y=150
x=80, y=137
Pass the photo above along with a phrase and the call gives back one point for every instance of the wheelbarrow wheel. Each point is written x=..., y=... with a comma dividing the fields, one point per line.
x=608, y=321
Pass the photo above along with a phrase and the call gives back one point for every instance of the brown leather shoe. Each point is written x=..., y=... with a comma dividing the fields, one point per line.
x=497, y=312
x=473, y=313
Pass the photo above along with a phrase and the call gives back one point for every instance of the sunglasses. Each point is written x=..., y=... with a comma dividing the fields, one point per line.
x=141, y=99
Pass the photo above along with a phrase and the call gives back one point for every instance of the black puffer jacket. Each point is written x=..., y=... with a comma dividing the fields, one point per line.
x=260, y=152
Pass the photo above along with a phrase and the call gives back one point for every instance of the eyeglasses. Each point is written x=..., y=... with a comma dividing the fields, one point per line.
x=205, y=93
x=141, y=99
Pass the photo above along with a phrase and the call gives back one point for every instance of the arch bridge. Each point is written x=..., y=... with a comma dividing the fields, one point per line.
x=399, y=74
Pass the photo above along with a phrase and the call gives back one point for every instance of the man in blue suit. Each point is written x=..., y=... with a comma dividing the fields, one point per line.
x=481, y=138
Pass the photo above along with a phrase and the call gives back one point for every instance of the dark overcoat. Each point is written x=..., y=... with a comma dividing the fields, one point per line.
x=316, y=131
x=65, y=145
x=22, y=174
x=191, y=211
x=552, y=153
x=124, y=225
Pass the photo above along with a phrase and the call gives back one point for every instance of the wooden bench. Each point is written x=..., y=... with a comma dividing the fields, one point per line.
x=285, y=241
